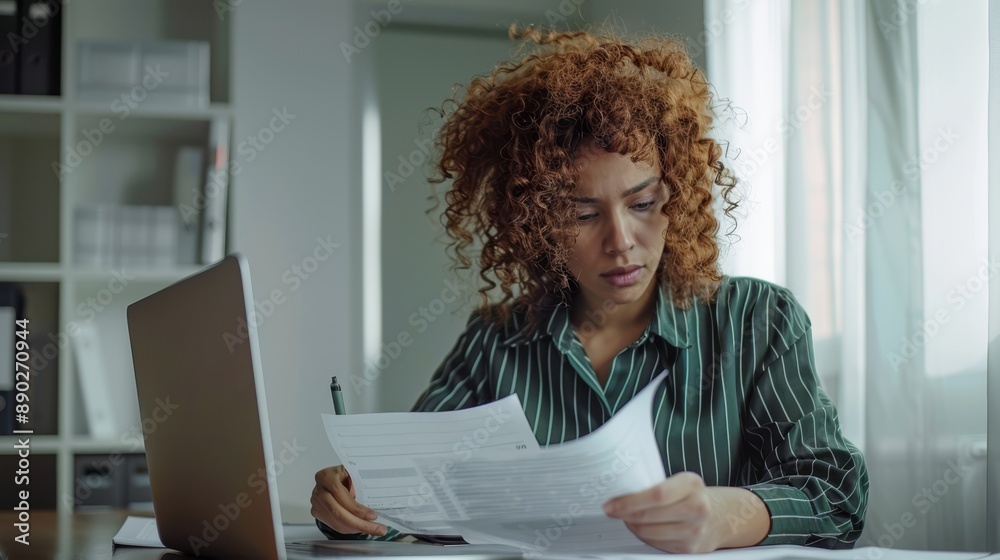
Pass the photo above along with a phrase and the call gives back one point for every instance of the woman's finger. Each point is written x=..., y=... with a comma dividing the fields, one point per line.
x=339, y=518
x=346, y=498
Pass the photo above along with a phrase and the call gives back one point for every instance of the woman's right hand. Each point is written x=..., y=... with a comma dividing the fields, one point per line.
x=333, y=502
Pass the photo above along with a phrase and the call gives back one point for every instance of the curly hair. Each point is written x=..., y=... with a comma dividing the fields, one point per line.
x=509, y=143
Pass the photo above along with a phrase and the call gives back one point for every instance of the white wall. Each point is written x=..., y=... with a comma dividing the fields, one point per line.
x=301, y=186
x=419, y=303
x=686, y=17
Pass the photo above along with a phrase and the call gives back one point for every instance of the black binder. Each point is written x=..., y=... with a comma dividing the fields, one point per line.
x=39, y=57
x=8, y=58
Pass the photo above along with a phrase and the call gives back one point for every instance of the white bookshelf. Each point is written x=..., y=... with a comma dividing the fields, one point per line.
x=130, y=166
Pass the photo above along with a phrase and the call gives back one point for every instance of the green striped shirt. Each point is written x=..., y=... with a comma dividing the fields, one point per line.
x=741, y=406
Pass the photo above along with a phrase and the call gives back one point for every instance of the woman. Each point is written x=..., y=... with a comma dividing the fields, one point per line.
x=587, y=172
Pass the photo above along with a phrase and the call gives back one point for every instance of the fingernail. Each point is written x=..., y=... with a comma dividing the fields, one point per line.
x=372, y=516
x=609, y=509
x=382, y=531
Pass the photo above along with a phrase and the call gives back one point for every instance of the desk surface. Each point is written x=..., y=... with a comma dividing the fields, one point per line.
x=84, y=536
x=87, y=536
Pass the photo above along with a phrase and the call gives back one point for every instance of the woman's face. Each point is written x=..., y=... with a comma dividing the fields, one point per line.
x=620, y=243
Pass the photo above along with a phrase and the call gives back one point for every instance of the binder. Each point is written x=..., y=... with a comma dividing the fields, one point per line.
x=189, y=173
x=94, y=384
x=216, y=195
x=39, y=57
x=103, y=482
x=11, y=308
x=8, y=56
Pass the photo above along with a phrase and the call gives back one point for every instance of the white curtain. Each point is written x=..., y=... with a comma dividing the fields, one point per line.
x=993, y=149
x=859, y=130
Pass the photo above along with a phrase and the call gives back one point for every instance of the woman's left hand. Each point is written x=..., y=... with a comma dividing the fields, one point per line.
x=682, y=515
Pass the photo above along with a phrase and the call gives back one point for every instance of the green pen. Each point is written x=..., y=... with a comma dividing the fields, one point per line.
x=338, y=407
x=338, y=397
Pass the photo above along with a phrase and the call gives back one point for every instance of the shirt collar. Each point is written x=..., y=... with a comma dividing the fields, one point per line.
x=669, y=322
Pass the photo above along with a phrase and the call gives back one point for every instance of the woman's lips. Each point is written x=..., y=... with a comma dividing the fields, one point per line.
x=620, y=278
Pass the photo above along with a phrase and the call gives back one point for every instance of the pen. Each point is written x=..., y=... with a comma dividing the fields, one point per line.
x=338, y=397
x=338, y=407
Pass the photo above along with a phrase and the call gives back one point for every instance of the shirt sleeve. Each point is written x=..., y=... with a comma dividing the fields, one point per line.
x=390, y=534
x=813, y=481
x=458, y=383
x=461, y=379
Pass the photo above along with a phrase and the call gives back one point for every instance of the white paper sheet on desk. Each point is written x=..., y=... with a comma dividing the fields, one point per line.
x=551, y=499
x=138, y=531
x=378, y=450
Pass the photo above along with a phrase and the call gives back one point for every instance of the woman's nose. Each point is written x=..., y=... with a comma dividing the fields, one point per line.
x=620, y=237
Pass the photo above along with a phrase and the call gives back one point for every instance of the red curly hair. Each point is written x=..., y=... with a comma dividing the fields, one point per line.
x=509, y=145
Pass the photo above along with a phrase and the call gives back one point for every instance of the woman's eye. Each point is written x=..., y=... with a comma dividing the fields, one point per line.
x=646, y=205
x=585, y=217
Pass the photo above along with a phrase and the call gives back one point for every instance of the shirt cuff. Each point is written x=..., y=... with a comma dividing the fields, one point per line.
x=390, y=534
x=793, y=520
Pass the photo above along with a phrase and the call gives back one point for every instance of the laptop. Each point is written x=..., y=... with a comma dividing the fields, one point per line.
x=201, y=398
x=208, y=446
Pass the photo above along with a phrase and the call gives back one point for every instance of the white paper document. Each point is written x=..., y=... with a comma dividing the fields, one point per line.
x=138, y=531
x=378, y=450
x=141, y=531
x=480, y=473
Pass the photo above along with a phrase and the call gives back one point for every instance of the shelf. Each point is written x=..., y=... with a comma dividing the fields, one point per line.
x=52, y=444
x=30, y=125
x=133, y=164
x=82, y=445
x=179, y=128
x=32, y=104
x=140, y=274
x=214, y=110
x=30, y=272
x=39, y=444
